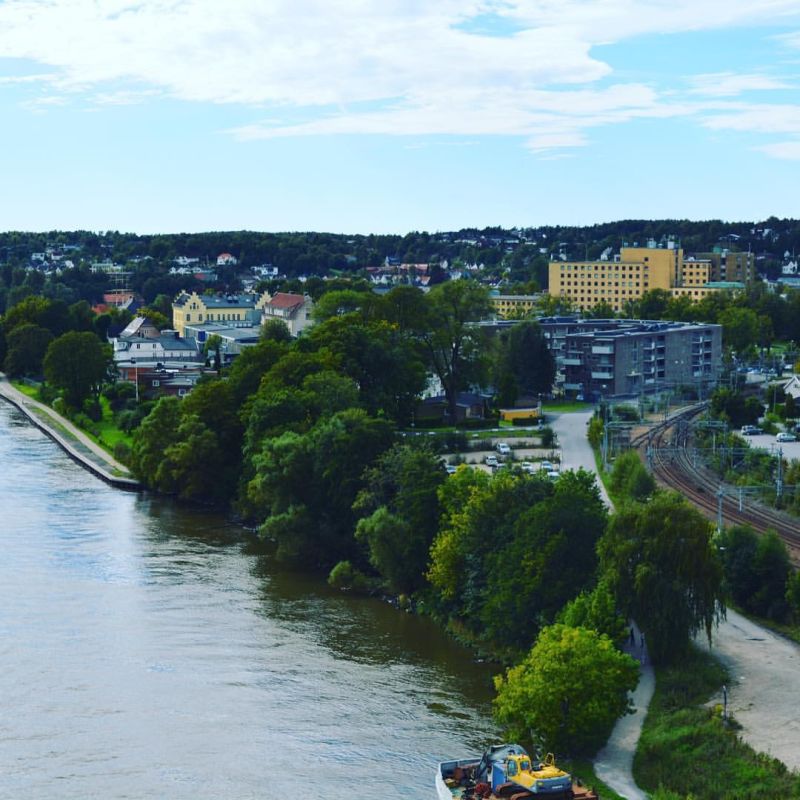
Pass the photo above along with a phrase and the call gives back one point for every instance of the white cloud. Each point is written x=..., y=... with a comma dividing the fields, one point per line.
x=756, y=118
x=789, y=151
x=408, y=67
x=728, y=84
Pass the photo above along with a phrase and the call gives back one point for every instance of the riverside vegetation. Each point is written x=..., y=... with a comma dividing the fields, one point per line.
x=305, y=439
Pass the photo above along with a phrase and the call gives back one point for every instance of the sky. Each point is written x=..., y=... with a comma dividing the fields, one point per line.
x=385, y=116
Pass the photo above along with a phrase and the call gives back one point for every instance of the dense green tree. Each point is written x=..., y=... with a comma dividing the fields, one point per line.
x=630, y=478
x=513, y=548
x=158, y=431
x=525, y=357
x=665, y=571
x=77, y=363
x=452, y=342
x=401, y=513
x=597, y=610
x=740, y=328
x=305, y=485
x=569, y=690
x=26, y=346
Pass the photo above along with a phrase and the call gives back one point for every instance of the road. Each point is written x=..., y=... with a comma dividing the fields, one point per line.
x=576, y=452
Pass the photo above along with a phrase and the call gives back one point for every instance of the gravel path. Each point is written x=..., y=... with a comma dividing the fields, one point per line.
x=765, y=685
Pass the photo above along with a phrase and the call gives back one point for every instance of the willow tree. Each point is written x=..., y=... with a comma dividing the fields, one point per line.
x=665, y=571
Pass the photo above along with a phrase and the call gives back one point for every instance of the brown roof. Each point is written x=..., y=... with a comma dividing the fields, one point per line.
x=286, y=300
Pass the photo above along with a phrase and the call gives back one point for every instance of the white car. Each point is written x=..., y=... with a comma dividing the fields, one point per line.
x=491, y=461
x=503, y=449
x=785, y=436
x=527, y=466
x=546, y=466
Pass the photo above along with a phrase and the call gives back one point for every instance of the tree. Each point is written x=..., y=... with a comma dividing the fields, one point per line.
x=569, y=690
x=741, y=328
x=596, y=610
x=665, y=571
x=78, y=364
x=401, y=511
x=630, y=478
x=26, y=348
x=528, y=359
x=452, y=342
x=158, y=431
x=304, y=485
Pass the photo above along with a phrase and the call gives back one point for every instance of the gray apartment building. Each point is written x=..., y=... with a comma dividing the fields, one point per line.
x=627, y=358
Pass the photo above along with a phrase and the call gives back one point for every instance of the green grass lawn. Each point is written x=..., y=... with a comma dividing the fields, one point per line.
x=29, y=391
x=565, y=406
x=686, y=749
x=109, y=434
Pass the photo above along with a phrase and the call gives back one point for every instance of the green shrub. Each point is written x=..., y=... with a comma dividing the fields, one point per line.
x=347, y=577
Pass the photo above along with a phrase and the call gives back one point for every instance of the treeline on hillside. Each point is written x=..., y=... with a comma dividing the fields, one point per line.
x=317, y=253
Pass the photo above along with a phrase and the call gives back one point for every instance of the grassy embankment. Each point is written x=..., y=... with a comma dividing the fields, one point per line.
x=687, y=750
x=104, y=432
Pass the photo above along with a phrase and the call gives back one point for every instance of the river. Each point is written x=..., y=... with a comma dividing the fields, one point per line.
x=146, y=653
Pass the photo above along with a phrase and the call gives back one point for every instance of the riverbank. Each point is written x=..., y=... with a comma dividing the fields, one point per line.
x=74, y=442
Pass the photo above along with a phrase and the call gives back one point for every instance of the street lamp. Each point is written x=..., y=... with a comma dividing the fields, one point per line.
x=136, y=377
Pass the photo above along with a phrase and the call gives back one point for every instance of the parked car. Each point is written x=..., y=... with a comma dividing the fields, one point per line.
x=546, y=466
x=785, y=436
x=503, y=449
x=750, y=430
x=553, y=474
x=527, y=466
x=451, y=469
x=491, y=461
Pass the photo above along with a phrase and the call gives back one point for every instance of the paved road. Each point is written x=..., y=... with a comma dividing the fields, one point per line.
x=576, y=452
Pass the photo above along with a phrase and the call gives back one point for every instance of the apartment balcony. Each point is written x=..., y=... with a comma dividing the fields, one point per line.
x=602, y=350
x=576, y=387
x=602, y=376
x=571, y=361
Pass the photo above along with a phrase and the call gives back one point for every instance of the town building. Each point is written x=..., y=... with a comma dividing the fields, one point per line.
x=233, y=309
x=513, y=306
x=642, y=269
x=626, y=358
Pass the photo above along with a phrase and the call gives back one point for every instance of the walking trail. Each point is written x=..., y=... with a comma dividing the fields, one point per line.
x=614, y=763
x=764, y=667
x=76, y=443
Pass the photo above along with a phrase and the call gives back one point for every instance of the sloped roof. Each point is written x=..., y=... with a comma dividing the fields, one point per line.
x=286, y=300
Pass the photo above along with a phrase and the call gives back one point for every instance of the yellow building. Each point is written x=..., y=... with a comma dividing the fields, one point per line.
x=243, y=309
x=638, y=270
x=513, y=306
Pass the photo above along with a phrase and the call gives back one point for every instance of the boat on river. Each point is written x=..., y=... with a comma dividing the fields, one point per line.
x=507, y=771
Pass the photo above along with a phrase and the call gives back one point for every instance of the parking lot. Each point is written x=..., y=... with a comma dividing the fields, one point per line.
x=766, y=441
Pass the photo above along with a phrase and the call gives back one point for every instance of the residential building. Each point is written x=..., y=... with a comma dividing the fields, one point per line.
x=292, y=309
x=641, y=269
x=227, y=260
x=633, y=358
x=239, y=309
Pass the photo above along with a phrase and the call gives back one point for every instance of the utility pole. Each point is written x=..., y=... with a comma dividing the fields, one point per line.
x=720, y=495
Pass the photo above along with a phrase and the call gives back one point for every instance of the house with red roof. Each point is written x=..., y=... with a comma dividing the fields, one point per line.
x=292, y=309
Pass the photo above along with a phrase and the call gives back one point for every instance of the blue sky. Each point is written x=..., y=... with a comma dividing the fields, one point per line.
x=389, y=115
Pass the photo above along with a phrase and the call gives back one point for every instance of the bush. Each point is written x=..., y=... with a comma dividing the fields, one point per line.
x=627, y=413
x=548, y=437
x=346, y=577
x=92, y=409
x=122, y=452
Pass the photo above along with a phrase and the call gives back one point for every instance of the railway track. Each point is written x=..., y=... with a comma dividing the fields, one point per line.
x=666, y=445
